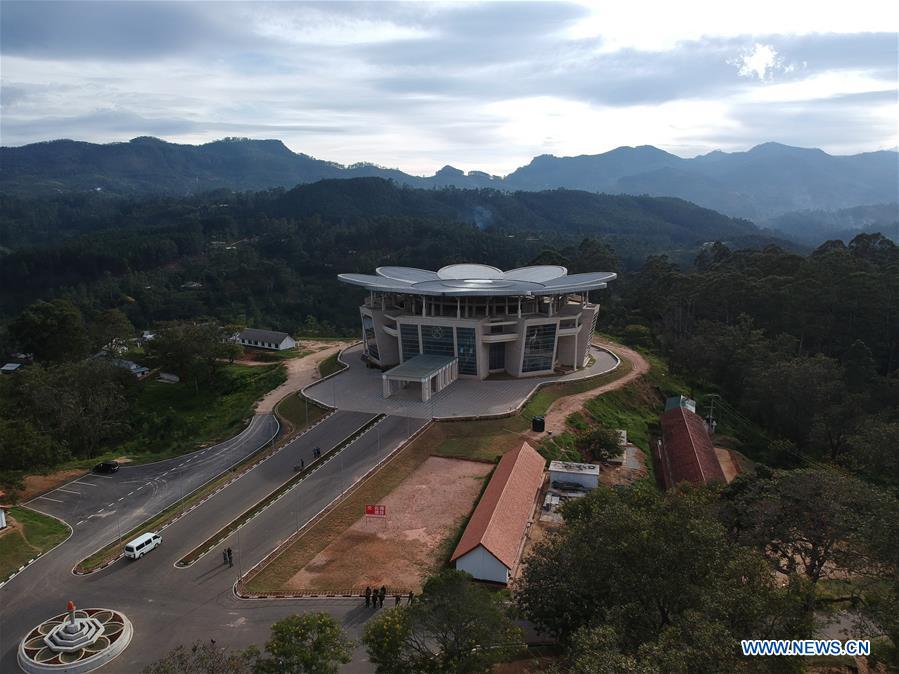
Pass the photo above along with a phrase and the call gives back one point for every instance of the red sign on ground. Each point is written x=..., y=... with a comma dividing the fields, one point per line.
x=372, y=510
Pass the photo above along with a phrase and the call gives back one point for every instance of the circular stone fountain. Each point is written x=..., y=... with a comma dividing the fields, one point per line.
x=75, y=642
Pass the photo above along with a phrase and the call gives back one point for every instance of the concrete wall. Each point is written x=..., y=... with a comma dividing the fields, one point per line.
x=483, y=566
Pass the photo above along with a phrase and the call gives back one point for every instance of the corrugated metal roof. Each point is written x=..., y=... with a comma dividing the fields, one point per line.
x=687, y=451
x=263, y=335
x=501, y=516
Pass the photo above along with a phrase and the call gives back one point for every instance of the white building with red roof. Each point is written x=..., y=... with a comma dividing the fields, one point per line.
x=491, y=544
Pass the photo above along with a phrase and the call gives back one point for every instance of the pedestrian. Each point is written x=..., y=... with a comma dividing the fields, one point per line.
x=381, y=594
x=367, y=596
x=302, y=464
x=396, y=600
x=411, y=596
x=224, y=556
x=230, y=559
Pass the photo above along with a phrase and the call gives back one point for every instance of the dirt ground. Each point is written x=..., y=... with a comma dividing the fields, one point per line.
x=728, y=464
x=558, y=412
x=300, y=372
x=612, y=475
x=399, y=552
x=41, y=484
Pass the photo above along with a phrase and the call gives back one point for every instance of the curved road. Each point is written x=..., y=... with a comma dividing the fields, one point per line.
x=168, y=605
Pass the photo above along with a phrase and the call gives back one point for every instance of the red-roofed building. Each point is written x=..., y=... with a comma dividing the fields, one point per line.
x=491, y=543
x=686, y=453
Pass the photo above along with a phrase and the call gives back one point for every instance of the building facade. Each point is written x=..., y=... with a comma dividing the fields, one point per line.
x=523, y=322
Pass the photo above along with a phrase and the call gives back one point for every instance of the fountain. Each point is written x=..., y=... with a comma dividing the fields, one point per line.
x=75, y=642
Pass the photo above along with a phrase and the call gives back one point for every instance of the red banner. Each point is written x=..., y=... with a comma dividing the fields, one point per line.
x=372, y=510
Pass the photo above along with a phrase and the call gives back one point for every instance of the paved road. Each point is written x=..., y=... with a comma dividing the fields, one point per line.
x=169, y=606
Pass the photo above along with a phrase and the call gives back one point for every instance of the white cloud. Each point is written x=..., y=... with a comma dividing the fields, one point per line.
x=761, y=61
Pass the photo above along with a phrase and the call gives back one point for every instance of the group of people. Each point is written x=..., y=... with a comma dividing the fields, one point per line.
x=375, y=598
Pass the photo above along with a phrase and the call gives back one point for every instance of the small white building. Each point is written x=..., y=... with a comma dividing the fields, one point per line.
x=491, y=544
x=266, y=339
x=9, y=368
x=585, y=475
x=2, y=512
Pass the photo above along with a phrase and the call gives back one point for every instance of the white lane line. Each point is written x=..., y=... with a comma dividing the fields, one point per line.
x=130, y=492
x=68, y=491
x=88, y=484
x=56, y=500
x=81, y=522
x=105, y=477
x=110, y=505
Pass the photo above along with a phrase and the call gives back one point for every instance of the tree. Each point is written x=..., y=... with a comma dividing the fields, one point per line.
x=455, y=626
x=815, y=523
x=109, y=329
x=599, y=444
x=192, y=350
x=311, y=643
x=52, y=331
x=641, y=562
x=204, y=658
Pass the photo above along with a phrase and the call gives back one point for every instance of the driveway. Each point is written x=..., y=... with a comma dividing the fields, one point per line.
x=300, y=372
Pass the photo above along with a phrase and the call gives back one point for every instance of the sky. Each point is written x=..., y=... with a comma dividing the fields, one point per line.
x=480, y=86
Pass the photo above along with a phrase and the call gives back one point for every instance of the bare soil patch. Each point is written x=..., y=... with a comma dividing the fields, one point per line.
x=300, y=372
x=423, y=511
x=35, y=485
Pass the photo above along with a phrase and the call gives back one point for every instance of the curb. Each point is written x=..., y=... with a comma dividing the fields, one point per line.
x=42, y=554
x=313, y=466
x=237, y=476
x=258, y=566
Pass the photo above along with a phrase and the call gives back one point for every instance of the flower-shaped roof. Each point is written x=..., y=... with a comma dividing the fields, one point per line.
x=479, y=280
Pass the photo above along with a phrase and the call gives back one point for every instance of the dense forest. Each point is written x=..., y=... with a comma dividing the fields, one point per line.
x=270, y=259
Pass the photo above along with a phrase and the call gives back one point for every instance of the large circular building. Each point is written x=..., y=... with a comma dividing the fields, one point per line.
x=473, y=320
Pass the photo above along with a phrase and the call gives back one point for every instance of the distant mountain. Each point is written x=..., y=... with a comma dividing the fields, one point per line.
x=813, y=227
x=767, y=181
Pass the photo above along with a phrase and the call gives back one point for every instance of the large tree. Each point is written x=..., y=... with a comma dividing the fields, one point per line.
x=454, y=626
x=204, y=658
x=52, y=331
x=817, y=523
x=310, y=643
x=644, y=563
x=192, y=350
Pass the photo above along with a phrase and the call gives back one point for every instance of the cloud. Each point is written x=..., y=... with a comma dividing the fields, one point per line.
x=418, y=85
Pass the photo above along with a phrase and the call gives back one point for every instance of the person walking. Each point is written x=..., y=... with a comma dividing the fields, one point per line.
x=411, y=597
x=381, y=595
x=224, y=557
x=230, y=559
x=367, y=596
x=396, y=599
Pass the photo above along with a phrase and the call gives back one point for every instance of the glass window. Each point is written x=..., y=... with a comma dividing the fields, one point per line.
x=539, y=345
x=437, y=340
x=468, y=354
x=409, y=337
x=371, y=343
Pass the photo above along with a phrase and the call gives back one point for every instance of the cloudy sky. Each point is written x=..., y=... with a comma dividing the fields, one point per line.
x=477, y=85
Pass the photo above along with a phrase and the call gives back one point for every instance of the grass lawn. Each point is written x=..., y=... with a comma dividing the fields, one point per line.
x=35, y=535
x=298, y=413
x=330, y=365
x=178, y=418
x=267, y=356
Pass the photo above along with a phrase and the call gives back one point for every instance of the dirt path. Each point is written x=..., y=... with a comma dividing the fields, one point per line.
x=300, y=372
x=560, y=409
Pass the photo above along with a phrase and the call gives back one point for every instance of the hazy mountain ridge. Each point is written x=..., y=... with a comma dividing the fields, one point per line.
x=760, y=184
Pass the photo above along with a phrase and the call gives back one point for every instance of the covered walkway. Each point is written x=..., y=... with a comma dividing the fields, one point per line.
x=433, y=373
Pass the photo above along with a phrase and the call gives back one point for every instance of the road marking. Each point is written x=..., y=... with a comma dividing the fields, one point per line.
x=89, y=484
x=105, y=477
x=81, y=522
x=109, y=506
x=130, y=492
x=68, y=491
x=50, y=499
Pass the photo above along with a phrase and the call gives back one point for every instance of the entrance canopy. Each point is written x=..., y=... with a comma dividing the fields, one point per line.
x=434, y=373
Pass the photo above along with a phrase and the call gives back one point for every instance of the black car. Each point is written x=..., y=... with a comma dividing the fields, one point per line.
x=106, y=467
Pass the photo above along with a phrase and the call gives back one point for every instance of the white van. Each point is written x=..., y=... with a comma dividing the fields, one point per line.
x=142, y=545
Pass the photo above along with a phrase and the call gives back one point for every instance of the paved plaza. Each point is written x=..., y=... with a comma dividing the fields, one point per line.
x=360, y=389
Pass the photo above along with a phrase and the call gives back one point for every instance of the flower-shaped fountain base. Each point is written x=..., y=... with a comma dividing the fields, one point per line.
x=75, y=642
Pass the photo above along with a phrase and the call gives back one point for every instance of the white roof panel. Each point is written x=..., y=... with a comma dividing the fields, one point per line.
x=538, y=274
x=470, y=271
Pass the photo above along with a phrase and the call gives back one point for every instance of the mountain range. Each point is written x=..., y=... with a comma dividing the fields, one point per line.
x=761, y=184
